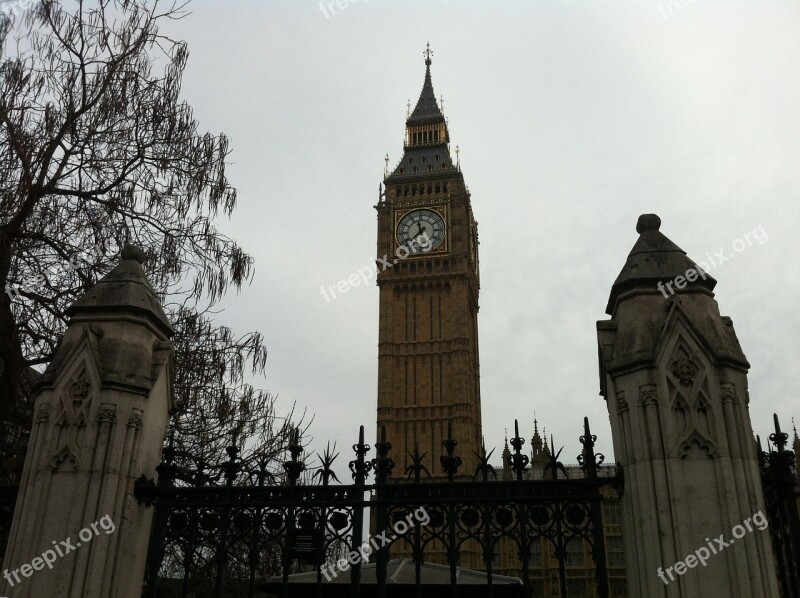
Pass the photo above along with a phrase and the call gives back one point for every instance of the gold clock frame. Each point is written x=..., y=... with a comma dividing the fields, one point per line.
x=443, y=212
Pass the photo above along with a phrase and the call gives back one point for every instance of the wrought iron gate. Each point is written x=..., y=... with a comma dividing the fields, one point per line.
x=782, y=496
x=228, y=540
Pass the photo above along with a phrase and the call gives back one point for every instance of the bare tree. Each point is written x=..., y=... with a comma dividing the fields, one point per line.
x=97, y=149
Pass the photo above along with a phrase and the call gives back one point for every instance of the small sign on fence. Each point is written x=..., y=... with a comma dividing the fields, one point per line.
x=306, y=545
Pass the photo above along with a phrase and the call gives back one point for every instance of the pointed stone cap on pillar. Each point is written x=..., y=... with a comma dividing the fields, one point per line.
x=653, y=259
x=124, y=290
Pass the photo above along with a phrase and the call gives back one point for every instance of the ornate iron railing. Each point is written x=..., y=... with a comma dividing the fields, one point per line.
x=232, y=540
x=782, y=495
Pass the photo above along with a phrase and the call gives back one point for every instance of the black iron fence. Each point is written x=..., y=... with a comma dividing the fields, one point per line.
x=782, y=497
x=309, y=540
x=215, y=538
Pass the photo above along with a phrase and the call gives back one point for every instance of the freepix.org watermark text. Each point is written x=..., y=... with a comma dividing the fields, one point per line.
x=59, y=550
x=719, y=257
x=715, y=546
x=364, y=275
x=376, y=542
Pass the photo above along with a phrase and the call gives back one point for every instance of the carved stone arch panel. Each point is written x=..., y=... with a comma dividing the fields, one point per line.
x=622, y=404
x=64, y=460
x=703, y=411
x=687, y=377
x=73, y=407
x=683, y=361
x=648, y=395
x=681, y=412
x=75, y=399
x=697, y=446
x=727, y=392
x=684, y=368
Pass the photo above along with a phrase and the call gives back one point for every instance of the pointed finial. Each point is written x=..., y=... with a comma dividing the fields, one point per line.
x=408, y=108
x=133, y=252
x=441, y=103
x=428, y=53
x=458, y=157
x=386, y=168
x=535, y=424
x=506, y=433
x=648, y=222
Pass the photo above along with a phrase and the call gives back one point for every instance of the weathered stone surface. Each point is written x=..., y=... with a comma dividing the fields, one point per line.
x=124, y=290
x=101, y=414
x=675, y=381
x=653, y=259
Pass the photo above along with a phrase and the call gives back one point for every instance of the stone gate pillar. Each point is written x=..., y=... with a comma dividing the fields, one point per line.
x=100, y=418
x=675, y=381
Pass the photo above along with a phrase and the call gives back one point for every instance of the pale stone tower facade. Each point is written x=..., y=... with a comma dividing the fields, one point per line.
x=100, y=418
x=428, y=369
x=675, y=381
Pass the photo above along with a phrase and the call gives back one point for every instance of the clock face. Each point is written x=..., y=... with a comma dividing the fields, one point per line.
x=421, y=231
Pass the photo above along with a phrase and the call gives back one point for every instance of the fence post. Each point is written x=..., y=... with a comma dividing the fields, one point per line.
x=101, y=414
x=382, y=465
x=780, y=496
x=360, y=469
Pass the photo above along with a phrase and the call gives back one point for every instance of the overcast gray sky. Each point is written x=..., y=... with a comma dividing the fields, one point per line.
x=573, y=118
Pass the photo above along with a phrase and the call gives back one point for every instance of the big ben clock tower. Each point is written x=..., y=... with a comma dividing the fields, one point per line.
x=428, y=369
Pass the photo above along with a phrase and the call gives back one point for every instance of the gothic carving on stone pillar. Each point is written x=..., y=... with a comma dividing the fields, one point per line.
x=697, y=445
x=681, y=412
x=107, y=413
x=648, y=395
x=622, y=404
x=135, y=420
x=73, y=406
x=684, y=368
x=64, y=460
x=727, y=391
x=43, y=414
x=703, y=414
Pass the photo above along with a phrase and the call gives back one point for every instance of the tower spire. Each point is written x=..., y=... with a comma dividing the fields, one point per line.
x=427, y=110
x=427, y=143
x=537, y=447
